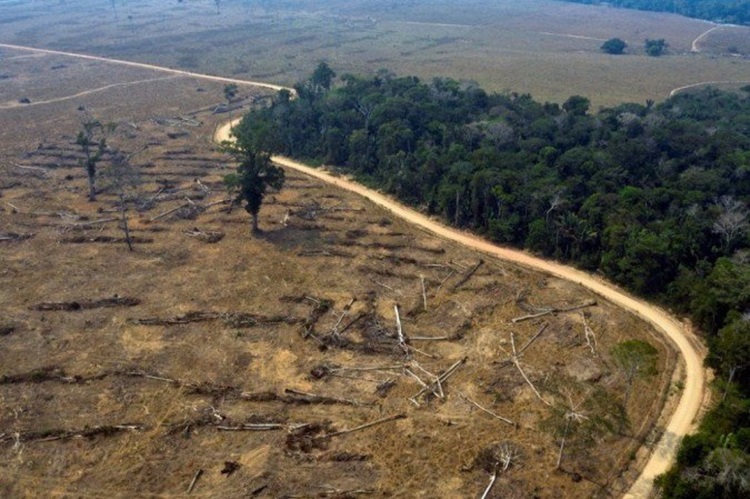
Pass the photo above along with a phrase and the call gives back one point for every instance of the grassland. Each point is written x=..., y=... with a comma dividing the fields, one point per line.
x=549, y=49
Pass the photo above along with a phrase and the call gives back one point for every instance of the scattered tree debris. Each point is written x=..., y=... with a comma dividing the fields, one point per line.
x=115, y=301
x=431, y=387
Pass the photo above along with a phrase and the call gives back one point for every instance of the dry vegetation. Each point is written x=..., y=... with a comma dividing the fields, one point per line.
x=548, y=49
x=234, y=366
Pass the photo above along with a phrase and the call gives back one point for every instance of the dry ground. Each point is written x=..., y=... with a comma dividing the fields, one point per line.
x=124, y=392
x=548, y=49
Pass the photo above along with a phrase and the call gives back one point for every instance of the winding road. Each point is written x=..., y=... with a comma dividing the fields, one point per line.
x=682, y=420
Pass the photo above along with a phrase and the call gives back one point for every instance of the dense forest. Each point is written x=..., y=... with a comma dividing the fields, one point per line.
x=652, y=196
x=726, y=11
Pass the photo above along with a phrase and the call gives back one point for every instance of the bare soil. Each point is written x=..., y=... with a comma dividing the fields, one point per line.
x=125, y=373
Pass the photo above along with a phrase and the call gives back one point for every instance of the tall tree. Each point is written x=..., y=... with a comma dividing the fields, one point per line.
x=92, y=138
x=255, y=175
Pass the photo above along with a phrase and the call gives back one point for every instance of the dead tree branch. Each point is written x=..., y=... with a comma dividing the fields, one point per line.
x=194, y=480
x=491, y=413
x=441, y=379
x=514, y=359
x=467, y=275
x=589, y=333
x=365, y=426
x=589, y=303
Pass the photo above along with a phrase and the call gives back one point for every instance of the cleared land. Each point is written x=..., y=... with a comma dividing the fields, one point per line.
x=126, y=373
x=548, y=49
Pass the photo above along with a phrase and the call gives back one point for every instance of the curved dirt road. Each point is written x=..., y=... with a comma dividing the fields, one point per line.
x=684, y=417
x=704, y=83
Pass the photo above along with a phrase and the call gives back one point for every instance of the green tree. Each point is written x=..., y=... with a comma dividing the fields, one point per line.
x=655, y=48
x=614, y=46
x=730, y=354
x=255, y=174
x=577, y=105
x=230, y=92
x=323, y=76
x=92, y=139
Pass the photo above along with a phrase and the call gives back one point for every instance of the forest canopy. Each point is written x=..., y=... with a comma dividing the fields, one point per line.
x=726, y=11
x=654, y=196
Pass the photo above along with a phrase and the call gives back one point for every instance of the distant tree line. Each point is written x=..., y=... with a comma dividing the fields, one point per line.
x=727, y=11
x=653, y=196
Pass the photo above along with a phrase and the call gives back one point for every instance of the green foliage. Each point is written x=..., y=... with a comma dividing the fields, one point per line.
x=255, y=173
x=614, y=46
x=636, y=357
x=728, y=11
x=230, y=91
x=92, y=138
x=655, y=48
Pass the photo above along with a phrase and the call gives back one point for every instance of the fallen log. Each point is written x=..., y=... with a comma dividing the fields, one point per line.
x=364, y=426
x=116, y=301
x=467, y=275
x=589, y=303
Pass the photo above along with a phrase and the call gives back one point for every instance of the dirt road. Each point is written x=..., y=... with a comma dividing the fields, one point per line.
x=704, y=83
x=684, y=417
x=144, y=66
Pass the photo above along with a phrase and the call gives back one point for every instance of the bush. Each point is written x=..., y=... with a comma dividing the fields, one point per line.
x=614, y=46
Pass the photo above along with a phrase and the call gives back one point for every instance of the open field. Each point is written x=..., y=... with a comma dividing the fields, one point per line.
x=120, y=369
x=549, y=49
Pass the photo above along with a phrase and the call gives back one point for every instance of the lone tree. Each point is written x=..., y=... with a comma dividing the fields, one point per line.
x=655, y=48
x=230, y=91
x=93, y=141
x=123, y=180
x=255, y=173
x=614, y=46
